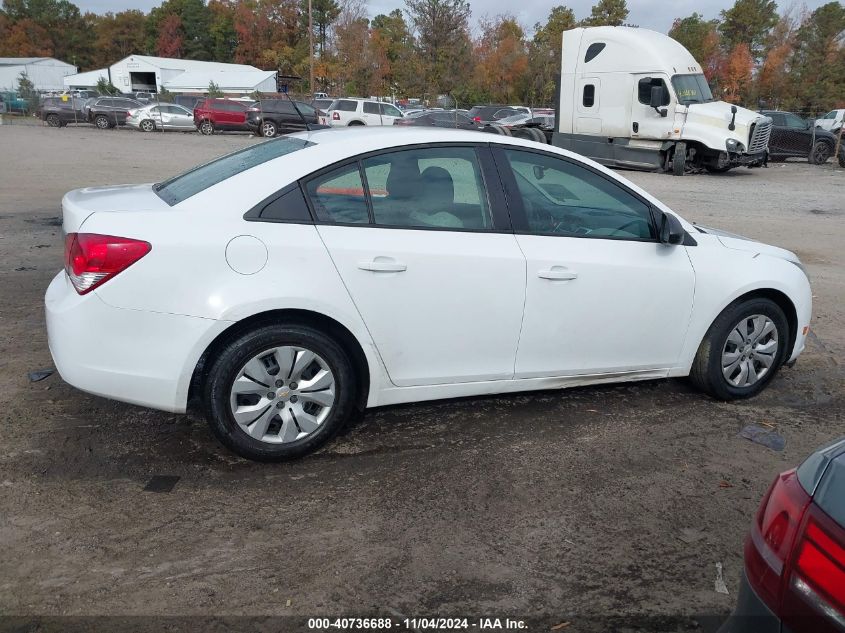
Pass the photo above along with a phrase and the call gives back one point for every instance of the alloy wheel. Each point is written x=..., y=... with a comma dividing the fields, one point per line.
x=821, y=153
x=750, y=351
x=102, y=122
x=147, y=126
x=268, y=129
x=282, y=395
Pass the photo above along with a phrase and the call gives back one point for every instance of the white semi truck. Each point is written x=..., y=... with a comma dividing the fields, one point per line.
x=636, y=98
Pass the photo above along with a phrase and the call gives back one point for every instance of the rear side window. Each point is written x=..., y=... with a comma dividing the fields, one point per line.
x=370, y=108
x=289, y=207
x=344, y=105
x=182, y=187
x=338, y=196
x=589, y=98
x=593, y=50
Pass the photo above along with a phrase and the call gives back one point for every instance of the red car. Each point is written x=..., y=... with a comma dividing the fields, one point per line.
x=794, y=580
x=212, y=115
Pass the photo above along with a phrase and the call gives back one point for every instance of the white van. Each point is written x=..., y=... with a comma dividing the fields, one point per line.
x=343, y=112
x=631, y=97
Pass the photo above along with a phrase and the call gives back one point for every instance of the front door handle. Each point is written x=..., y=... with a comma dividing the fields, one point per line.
x=557, y=273
x=383, y=266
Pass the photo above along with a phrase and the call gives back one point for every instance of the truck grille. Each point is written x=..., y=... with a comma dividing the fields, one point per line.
x=758, y=140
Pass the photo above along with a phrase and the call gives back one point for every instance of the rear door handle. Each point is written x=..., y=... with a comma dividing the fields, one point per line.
x=557, y=273
x=383, y=266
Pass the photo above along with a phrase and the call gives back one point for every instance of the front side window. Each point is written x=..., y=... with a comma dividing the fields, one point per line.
x=796, y=122
x=389, y=110
x=830, y=115
x=438, y=187
x=563, y=198
x=644, y=87
x=338, y=196
x=179, y=188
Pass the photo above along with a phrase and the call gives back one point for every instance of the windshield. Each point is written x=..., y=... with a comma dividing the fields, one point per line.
x=182, y=187
x=692, y=89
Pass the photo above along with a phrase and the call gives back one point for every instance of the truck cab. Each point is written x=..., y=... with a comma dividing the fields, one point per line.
x=635, y=98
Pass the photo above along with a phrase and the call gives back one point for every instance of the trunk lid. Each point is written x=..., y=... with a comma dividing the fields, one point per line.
x=80, y=204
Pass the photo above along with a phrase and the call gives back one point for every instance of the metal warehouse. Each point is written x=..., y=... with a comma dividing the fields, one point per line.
x=145, y=73
x=46, y=73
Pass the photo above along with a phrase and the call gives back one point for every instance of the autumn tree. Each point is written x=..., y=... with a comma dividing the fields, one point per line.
x=195, y=20
x=701, y=38
x=501, y=59
x=392, y=50
x=54, y=25
x=735, y=75
x=818, y=61
x=544, y=53
x=26, y=38
x=118, y=35
x=171, y=37
x=268, y=33
x=774, y=77
x=748, y=22
x=607, y=13
x=443, y=41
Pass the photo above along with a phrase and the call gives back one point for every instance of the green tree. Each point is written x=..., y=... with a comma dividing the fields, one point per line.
x=544, y=54
x=701, y=38
x=27, y=92
x=748, y=23
x=118, y=35
x=195, y=19
x=105, y=87
x=224, y=39
x=214, y=91
x=818, y=61
x=607, y=13
x=443, y=40
x=324, y=13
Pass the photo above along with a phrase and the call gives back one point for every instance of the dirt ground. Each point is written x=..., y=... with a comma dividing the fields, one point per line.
x=557, y=506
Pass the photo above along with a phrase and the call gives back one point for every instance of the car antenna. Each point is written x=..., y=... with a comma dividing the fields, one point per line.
x=301, y=116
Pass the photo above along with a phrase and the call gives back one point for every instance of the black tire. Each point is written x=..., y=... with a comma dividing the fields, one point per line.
x=206, y=127
x=679, y=159
x=53, y=120
x=706, y=372
x=147, y=125
x=268, y=129
x=102, y=122
x=498, y=129
x=232, y=358
x=821, y=152
x=842, y=156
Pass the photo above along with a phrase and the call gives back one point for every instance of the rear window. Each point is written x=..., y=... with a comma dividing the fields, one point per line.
x=182, y=187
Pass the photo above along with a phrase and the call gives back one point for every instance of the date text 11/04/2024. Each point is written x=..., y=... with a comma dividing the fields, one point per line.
x=416, y=624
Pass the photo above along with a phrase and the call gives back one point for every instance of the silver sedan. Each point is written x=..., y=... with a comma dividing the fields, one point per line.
x=161, y=116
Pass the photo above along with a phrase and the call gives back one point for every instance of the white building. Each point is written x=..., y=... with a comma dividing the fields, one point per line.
x=86, y=80
x=45, y=73
x=143, y=73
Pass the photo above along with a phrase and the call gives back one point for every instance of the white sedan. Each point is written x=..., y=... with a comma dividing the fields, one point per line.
x=161, y=116
x=291, y=283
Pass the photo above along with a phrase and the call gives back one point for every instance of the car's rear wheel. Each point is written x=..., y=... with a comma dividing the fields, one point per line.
x=147, y=125
x=742, y=351
x=102, y=122
x=279, y=392
x=206, y=127
x=53, y=120
x=821, y=152
x=269, y=129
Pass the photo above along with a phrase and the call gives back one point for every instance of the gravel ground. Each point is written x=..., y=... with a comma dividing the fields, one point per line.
x=558, y=506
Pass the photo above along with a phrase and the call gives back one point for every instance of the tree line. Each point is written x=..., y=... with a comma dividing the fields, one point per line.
x=749, y=53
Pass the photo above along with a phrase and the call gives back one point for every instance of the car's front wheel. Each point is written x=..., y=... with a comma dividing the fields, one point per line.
x=279, y=392
x=821, y=152
x=268, y=129
x=742, y=350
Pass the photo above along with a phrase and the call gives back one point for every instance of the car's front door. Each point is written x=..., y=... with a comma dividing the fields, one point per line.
x=799, y=135
x=603, y=296
x=426, y=253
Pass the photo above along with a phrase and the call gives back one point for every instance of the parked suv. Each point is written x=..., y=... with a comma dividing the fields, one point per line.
x=108, y=112
x=343, y=112
x=270, y=117
x=58, y=111
x=212, y=115
x=792, y=136
x=832, y=121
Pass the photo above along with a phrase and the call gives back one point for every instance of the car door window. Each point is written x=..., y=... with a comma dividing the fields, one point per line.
x=796, y=122
x=437, y=187
x=370, y=108
x=338, y=196
x=389, y=110
x=563, y=198
x=306, y=109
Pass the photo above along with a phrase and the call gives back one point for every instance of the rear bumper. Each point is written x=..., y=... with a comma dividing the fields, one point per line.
x=135, y=356
x=751, y=614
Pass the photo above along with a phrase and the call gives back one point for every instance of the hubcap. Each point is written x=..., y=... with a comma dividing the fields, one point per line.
x=282, y=395
x=269, y=129
x=750, y=351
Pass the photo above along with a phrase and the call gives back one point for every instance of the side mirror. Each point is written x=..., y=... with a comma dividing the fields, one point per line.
x=656, y=97
x=671, y=230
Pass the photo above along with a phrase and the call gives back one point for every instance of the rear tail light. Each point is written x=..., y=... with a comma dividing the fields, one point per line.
x=795, y=559
x=335, y=116
x=477, y=119
x=92, y=259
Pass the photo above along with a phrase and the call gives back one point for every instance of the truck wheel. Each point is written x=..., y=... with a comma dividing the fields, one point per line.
x=53, y=120
x=821, y=152
x=679, y=159
x=498, y=129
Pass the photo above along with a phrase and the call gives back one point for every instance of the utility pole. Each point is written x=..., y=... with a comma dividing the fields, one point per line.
x=310, y=49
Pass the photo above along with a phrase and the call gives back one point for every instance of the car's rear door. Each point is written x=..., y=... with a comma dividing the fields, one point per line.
x=426, y=252
x=603, y=296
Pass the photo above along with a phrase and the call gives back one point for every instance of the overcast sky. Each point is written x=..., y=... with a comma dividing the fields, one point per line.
x=652, y=14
